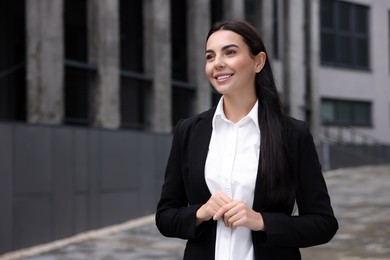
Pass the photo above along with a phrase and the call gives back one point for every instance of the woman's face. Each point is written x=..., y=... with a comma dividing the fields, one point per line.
x=230, y=67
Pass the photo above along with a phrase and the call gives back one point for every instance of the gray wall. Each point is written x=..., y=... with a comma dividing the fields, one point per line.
x=58, y=181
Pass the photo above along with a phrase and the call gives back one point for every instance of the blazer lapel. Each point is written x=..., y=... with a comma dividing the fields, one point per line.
x=200, y=140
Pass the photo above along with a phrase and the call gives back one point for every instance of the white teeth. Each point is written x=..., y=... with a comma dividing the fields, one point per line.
x=223, y=77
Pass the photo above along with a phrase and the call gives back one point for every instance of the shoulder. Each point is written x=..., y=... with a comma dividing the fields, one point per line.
x=294, y=124
x=296, y=129
x=187, y=124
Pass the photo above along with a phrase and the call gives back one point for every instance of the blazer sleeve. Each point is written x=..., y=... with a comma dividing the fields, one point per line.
x=174, y=216
x=316, y=223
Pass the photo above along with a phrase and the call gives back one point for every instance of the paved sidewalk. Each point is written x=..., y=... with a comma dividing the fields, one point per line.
x=360, y=197
x=361, y=201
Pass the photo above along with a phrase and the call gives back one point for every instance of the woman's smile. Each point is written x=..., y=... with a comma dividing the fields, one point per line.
x=222, y=78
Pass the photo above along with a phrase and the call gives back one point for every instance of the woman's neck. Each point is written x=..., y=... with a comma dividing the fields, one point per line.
x=237, y=108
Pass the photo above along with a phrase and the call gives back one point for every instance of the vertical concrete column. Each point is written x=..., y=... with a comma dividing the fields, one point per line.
x=315, y=116
x=293, y=61
x=45, y=61
x=264, y=23
x=157, y=60
x=103, y=32
x=198, y=22
x=234, y=9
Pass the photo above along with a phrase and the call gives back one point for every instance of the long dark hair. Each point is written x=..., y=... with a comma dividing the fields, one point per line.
x=277, y=177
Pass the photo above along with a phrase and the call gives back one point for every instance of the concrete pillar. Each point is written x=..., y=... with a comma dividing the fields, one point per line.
x=264, y=23
x=314, y=65
x=198, y=23
x=103, y=35
x=233, y=9
x=45, y=61
x=293, y=58
x=157, y=60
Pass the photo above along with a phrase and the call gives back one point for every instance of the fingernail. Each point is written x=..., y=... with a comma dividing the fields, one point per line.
x=215, y=217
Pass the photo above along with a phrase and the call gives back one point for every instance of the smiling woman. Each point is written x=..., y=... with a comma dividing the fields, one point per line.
x=237, y=171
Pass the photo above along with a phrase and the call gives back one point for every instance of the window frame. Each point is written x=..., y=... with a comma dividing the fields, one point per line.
x=337, y=33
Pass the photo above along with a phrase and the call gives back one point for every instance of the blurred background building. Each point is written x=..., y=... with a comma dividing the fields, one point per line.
x=78, y=77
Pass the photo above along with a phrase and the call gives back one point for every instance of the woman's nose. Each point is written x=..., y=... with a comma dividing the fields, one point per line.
x=219, y=63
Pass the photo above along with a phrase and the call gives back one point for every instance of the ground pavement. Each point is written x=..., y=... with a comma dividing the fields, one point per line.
x=360, y=198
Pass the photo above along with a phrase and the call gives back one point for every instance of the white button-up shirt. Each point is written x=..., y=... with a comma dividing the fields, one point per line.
x=231, y=167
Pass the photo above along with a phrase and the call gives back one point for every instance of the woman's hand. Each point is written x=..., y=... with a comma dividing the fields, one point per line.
x=210, y=208
x=236, y=214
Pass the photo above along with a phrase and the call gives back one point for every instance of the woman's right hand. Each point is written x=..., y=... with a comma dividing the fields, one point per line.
x=208, y=210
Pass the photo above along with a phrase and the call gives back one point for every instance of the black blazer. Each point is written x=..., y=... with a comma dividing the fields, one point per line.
x=185, y=190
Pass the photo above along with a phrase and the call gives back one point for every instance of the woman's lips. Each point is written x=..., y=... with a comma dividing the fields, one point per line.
x=223, y=78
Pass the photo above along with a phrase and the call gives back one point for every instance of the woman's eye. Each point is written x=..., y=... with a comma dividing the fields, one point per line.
x=209, y=57
x=230, y=52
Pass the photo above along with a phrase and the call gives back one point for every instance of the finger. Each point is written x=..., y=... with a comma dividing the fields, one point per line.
x=224, y=209
x=220, y=212
x=232, y=215
x=236, y=220
x=221, y=198
x=235, y=213
x=225, y=197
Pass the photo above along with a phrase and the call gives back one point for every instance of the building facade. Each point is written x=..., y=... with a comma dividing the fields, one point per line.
x=140, y=64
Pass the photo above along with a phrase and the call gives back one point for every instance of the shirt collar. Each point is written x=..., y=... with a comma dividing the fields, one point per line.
x=219, y=113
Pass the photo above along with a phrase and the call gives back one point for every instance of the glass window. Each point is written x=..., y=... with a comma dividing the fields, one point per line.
x=327, y=112
x=12, y=60
x=76, y=90
x=179, y=40
x=217, y=10
x=327, y=14
x=76, y=30
x=131, y=35
x=361, y=19
x=183, y=93
x=328, y=53
x=344, y=34
x=344, y=16
x=250, y=11
x=362, y=113
x=345, y=112
x=134, y=85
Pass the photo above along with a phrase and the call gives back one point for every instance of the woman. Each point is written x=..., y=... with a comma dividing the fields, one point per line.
x=236, y=171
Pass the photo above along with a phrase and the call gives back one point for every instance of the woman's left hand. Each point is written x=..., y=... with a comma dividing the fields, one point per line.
x=236, y=214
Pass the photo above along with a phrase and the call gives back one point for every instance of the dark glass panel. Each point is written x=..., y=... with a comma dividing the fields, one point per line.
x=131, y=35
x=132, y=100
x=361, y=52
x=76, y=96
x=343, y=112
x=179, y=40
x=328, y=48
x=76, y=30
x=344, y=16
x=345, y=50
x=361, y=19
x=327, y=13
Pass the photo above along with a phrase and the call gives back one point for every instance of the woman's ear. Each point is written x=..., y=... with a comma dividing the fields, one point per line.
x=260, y=61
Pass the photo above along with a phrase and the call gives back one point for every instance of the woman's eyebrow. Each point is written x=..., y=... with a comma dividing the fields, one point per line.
x=223, y=48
